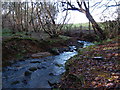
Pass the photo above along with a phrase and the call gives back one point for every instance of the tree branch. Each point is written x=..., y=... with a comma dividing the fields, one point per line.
x=114, y=5
x=80, y=5
x=72, y=9
x=85, y=5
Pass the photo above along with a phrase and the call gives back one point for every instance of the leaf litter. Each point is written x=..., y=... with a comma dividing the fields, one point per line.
x=85, y=71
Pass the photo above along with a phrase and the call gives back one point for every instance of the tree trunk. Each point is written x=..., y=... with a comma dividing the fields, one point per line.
x=23, y=29
x=27, y=18
x=95, y=26
x=32, y=17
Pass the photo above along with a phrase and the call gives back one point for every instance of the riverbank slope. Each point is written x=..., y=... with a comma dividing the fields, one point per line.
x=17, y=48
x=96, y=66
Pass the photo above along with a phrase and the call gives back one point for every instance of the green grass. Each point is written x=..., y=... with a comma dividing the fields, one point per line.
x=102, y=42
x=64, y=37
x=0, y=32
x=57, y=39
x=8, y=33
x=83, y=26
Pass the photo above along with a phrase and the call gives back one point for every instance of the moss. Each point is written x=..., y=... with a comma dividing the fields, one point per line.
x=59, y=39
x=97, y=54
x=19, y=56
x=71, y=62
x=9, y=33
x=106, y=41
x=23, y=51
x=103, y=74
x=19, y=38
x=118, y=62
x=77, y=78
x=64, y=37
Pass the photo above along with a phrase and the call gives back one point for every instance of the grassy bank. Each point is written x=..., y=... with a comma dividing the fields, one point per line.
x=95, y=66
x=21, y=47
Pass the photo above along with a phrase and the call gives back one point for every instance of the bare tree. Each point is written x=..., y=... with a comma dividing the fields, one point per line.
x=47, y=13
x=83, y=8
x=34, y=16
x=111, y=22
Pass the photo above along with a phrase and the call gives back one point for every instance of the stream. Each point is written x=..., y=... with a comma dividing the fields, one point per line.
x=38, y=73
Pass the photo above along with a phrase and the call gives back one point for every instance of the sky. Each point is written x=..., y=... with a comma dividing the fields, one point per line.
x=108, y=14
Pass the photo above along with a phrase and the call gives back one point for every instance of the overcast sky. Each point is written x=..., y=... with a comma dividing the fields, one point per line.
x=109, y=14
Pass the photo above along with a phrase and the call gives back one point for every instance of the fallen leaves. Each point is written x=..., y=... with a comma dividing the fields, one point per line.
x=97, y=73
x=109, y=84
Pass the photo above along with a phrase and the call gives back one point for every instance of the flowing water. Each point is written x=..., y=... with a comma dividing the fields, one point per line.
x=37, y=73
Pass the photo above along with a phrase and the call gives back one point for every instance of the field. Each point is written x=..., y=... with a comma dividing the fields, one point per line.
x=80, y=26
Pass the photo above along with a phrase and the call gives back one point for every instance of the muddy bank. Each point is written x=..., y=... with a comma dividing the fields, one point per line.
x=18, y=48
x=15, y=48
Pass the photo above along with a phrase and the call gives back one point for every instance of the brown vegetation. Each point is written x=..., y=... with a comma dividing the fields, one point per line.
x=86, y=71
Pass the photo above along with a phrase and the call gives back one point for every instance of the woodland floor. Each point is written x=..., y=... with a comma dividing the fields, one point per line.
x=94, y=67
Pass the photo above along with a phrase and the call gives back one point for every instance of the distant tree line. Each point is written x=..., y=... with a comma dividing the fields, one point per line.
x=42, y=16
x=32, y=16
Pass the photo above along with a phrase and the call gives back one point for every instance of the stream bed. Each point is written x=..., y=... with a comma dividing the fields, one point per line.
x=37, y=73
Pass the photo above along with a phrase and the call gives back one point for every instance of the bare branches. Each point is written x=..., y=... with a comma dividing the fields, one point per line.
x=80, y=5
x=47, y=13
x=85, y=6
x=73, y=7
x=114, y=5
x=104, y=4
x=88, y=15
